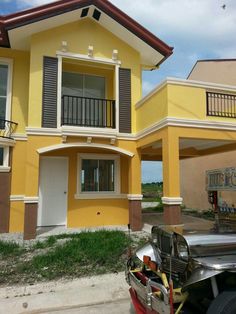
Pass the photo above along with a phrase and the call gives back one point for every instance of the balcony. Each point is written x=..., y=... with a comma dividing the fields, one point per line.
x=186, y=102
x=88, y=112
x=7, y=128
x=221, y=105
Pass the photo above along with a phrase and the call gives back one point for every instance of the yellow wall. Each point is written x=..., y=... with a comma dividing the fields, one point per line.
x=18, y=168
x=176, y=101
x=20, y=86
x=153, y=110
x=79, y=35
x=90, y=212
x=17, y=216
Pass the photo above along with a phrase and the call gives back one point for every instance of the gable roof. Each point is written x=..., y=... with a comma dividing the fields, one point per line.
x=14, y=28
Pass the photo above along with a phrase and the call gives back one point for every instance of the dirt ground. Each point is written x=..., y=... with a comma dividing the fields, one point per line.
x=190, y=223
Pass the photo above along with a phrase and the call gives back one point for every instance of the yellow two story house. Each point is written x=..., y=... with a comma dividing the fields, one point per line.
x=74, y=127
x=70, y=76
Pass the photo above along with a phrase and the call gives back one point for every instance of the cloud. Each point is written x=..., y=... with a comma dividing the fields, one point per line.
x=196, y=29
x=32, y=3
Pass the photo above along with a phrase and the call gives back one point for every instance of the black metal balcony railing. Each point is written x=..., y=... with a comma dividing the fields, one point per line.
x=221, y=105
x=7, y=128
x=89, y=112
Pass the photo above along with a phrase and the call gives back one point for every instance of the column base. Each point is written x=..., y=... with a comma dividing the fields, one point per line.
x=5, y=179
x=30, y=222
x=135, y=215
x=172, y=215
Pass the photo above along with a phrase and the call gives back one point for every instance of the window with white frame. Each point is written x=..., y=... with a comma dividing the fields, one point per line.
x=5, y=88
x=98, y=174
x=4, y=156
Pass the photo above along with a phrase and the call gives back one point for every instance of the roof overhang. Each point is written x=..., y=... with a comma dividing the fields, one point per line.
x=17, y=29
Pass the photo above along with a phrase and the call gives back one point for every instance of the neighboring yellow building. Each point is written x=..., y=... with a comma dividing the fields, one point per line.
x=71, y=80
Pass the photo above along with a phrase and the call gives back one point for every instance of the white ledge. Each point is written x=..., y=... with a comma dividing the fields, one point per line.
x=135, y=197
x=31, y=199
x=5, y=169
x=172, y=200
x=17, y=198
x=88, y=196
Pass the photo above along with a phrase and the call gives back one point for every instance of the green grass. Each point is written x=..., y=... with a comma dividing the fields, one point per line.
x=10, y=249
x=152, y=192
x=45, y=244
x=83, y=254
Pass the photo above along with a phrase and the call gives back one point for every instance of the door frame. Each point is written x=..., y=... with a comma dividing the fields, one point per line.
x=67, y=164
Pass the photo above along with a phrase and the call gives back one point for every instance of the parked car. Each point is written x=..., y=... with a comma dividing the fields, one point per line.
x=190, y=274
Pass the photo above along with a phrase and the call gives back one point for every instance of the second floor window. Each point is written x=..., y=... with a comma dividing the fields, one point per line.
x=3, y=90
x=83, y=85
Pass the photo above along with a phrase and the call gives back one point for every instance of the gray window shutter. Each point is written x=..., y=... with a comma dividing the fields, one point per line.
x=50, y=69
x=125, y=100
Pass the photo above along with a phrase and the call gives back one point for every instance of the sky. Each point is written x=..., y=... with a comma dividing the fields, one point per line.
x=197, y=29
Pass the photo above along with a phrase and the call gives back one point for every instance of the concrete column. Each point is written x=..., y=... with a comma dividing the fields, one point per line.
x=135, y=190
x=5, y=187
x=171, y=178
x=31, y=189
x=30, y=221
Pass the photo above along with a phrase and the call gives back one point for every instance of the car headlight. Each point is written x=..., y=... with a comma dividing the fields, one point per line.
x=182, y=250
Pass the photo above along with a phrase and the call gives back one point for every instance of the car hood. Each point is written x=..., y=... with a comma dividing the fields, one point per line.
x=206, y=245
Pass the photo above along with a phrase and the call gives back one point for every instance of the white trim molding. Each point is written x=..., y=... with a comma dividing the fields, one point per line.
x=20, y=137
x=17, y=198
x=6, y=142
x=88, y=131
x=172, y=200
x=135, y=197
x=31, y=199
x=85, y=145
x=5, y=169
x=99, y=195
x=77, y=56
x=189, y=123
x=43, y=131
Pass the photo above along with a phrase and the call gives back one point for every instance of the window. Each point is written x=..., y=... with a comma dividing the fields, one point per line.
x=82, y=85
x=5, y=88
x=4, y=156
x=98, y=174
x=1, y=156
x=83, y=100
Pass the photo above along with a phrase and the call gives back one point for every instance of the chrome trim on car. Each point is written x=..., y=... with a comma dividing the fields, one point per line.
x=200, y=274
x=147, y=297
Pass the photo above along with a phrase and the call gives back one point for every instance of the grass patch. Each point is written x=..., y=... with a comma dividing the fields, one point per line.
x=45, y=244
x=86, y=253
x=10, y=249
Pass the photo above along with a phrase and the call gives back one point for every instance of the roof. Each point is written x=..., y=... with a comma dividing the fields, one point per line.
x=14, y=28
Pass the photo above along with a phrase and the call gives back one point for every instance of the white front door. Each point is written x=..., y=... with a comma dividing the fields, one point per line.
x=53, y=186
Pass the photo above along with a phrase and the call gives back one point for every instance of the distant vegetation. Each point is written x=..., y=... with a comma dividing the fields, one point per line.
x=152, y=192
